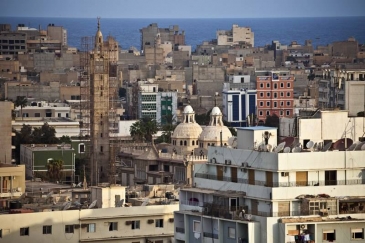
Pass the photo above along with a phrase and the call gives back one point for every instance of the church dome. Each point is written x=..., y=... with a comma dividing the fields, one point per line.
x=188, y=128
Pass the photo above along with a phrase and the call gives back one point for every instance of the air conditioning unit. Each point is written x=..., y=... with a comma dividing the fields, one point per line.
x=171, y=220
x=150, y=221
x=227, y=161
x=284, y=173
x=244, y=164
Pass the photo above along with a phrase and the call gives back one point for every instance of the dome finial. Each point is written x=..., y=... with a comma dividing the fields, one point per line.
x=98, y=23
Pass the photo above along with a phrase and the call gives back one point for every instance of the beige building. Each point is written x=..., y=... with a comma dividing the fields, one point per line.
x=6, y=108
x=236, y=35
x=12, y=181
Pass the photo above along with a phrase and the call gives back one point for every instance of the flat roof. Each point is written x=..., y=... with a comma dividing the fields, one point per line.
x=257, y=128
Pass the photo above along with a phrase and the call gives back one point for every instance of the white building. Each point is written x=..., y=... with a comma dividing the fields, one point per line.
x=258, y=193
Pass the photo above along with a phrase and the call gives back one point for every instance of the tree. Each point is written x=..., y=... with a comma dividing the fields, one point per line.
x=65, y=139
x=22, y=102
x=24, y=136
x=54, y=169
x=272, y=121
x=144, y=129
x=45, y=135
x=167, y=129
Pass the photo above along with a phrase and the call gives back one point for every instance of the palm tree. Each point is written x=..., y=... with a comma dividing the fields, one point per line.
x=22, y=102
x=143, y=129
x=54, y=169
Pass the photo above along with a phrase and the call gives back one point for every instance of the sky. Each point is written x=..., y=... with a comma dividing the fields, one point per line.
x=181, y=8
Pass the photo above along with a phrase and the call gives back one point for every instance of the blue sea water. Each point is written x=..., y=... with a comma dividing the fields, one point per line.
x=321, y=31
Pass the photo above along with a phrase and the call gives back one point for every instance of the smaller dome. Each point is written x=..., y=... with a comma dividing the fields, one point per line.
x=188, y=109
x=216, y=111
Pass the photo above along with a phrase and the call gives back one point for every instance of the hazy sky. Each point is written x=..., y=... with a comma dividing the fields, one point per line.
x=182, y=8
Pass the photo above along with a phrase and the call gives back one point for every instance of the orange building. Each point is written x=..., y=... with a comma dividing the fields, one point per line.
x=274, y=94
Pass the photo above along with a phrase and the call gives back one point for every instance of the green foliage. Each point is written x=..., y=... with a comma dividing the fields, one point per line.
x=65, y=139
x=272, y=121
x=144, y=129
x=22, y=102
x=203, y=119
x=54, y=170
x=167, y=130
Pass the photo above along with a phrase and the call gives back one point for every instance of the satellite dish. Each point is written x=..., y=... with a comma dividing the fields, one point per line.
x=315, y=146
x=49, y=194
x=342, y=143
x=93, y=204
x=310, y=144
x=286, y=150
x=359, y=145
x=248, y=217
x=363, y=147
x=262, y=146
x=327, y=147
x=67, y=206
x=120, y=203
x=296, y=150
x=268, y=147
x=145, y=202
x=288, y=141
x=77, y=204
x=279, y=147
x=352, y=147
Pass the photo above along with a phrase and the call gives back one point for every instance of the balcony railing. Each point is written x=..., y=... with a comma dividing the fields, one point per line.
x=210, y=235
x=180, y=230
x=280, y=184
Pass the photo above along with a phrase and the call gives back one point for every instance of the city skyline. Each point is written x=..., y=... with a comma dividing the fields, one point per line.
x=183, y=9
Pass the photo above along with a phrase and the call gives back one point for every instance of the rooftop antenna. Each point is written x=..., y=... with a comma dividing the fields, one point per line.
x=93, y=204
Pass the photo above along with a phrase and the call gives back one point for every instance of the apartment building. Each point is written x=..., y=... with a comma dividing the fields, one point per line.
x=274, y=94
x=12, y=181
x=266, y=192
x=236, y=35
x=6, y=108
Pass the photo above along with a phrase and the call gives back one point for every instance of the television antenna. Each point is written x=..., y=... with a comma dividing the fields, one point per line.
x=93, y=204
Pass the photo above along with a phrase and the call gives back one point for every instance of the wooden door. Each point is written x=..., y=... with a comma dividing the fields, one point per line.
x=219, y=173
x=234, y=174
x=269, y=179
x=284, y=209
x=254, y=207
x=251, y=177
x=302, y=178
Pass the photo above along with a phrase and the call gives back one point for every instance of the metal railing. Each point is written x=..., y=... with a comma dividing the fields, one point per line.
x=280, y=184
x=180, y=230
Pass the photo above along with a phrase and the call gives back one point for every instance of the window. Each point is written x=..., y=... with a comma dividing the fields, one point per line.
x=37, y=114
x=281, y=113
x=260, y=113
x=275, y=104
x=267, y=103
x=101, y=149
x=24, y=231
x=101, y=134
x=288, y=103
x=196, y=226
x=281, y=103
x=330, y=177
x=231, y=233
x=357, y=234
x=275, y=95
x=281, y=94
x=47, y=229
x=268, y=94
x=91, y=228
x=135, y=225
x=268, y=113
x=261, y=94
x=159, y=223
x=113, y=226
x=281, y=85
x=1, y=233
x=267, y=85
x=288, y=85
x=59, y=114
x=81, y=148
x=261, y=85
x=288, y=113
x=69, y=229
x=329, y=235
x=261, y=103
x=288, y=94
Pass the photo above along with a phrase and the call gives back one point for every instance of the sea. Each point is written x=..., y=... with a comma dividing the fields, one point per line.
x=321, y=30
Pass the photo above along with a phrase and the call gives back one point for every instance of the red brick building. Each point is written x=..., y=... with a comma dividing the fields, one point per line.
x=274, y=94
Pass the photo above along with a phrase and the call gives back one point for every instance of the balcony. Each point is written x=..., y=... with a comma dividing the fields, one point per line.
x=280, y=184
x=210, y=235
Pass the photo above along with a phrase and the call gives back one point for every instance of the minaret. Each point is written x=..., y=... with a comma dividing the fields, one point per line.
x=99, y=112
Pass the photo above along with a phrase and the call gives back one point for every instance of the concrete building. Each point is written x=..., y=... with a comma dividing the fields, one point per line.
x=6, y=108
x=57, y=33
x=255, y=194
x=44, y=109
x=35, y=157
x=171, y=34
x=274, y=94
x=50, y=92
x=236, y=35
x=239, y=102
x=12, y=181
x=12, y=43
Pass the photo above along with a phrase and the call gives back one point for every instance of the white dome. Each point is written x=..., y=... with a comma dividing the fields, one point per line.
x=187, y=130
x=188, y=109
x=216, y=111
x=213, y=133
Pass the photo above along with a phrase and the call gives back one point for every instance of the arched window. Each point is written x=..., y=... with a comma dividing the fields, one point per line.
x=208, y=144
x=185, y=143
x=193, y=142
x=181, y=143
